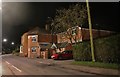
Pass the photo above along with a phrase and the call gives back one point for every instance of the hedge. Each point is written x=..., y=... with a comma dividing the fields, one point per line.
x=106, y=50
x=82, y=51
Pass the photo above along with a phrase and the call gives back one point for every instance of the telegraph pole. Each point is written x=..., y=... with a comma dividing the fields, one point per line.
x=90, y=29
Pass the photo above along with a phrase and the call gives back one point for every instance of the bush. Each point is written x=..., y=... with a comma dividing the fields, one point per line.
x=82, y=51
x=16, y=52
x=106, y=50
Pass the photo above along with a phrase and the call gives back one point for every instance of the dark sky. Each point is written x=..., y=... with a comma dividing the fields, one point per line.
x=20, y=17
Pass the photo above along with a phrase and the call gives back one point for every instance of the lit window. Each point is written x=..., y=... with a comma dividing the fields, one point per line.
x=34, y=39
x=74, y=32
x=33, y=49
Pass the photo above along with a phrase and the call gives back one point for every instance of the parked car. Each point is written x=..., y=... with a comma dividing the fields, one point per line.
x=63, y=55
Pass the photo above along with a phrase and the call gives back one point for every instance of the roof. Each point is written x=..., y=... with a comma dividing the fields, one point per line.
x=37, y=30
x=62, y=45
x=47, y=46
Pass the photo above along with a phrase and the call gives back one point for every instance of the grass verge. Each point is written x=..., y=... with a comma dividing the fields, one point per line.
x=96, y=64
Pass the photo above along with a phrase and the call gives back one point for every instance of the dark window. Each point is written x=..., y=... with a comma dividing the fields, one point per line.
x=33, y=49
x=34, y=39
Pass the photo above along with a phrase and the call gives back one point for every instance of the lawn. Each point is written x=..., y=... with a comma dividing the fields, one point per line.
x=96, y=64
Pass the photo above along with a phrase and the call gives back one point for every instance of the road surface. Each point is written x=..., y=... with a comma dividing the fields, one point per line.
x=15, y=65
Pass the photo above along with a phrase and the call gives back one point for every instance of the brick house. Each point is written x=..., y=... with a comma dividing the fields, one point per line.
x=30, y=42
x=81, y=34
x=64, y=46
x=40, y=43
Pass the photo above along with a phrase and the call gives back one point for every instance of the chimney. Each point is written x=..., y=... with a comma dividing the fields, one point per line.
x=47, y=27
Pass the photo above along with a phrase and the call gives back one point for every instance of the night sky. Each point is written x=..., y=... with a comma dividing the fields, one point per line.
x=20, y=17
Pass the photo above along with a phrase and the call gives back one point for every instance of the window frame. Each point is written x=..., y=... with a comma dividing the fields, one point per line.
x=34, y=39
x=33, y=51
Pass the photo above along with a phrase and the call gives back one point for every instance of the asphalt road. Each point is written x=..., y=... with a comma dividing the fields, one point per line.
x=15, y=65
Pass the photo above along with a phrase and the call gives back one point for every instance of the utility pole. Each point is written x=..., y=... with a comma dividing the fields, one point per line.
x=90, y=29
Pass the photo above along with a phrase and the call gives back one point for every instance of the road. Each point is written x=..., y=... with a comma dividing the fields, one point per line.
x=15, y=65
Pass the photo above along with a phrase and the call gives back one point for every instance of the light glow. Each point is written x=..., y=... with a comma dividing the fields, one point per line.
x=12, y=43
x=4, y=40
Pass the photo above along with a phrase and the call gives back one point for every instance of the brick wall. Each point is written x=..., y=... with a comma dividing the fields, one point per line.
x=62, y=37
x=95, y=33
x=82, y=34
x=68, y=47
x=33, y=44
x=47, y=38
x=24, y=42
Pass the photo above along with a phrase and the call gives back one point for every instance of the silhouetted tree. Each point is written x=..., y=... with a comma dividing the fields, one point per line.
x=65, y=19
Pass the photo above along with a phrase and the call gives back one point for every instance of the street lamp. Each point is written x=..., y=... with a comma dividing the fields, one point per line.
x=4, y=44
x=12, y=43
x=4, y=40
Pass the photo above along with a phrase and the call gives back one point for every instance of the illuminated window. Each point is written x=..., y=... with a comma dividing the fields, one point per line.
x=74, y=32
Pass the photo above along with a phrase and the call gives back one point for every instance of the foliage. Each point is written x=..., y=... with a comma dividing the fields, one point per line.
x=16, y=52
x=75, y=15
x=82, y=52
x=106, y=50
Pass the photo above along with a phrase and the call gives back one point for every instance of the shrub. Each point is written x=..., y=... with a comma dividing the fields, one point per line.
x=106, y=50
x=82, y=51
x=16, y=52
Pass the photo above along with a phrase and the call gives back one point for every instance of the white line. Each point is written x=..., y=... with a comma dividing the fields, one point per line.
x=16, y=68
x=40, y=62
x=7, y=62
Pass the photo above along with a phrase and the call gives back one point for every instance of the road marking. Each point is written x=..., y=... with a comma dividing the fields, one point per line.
x=40, y=62
x=7, y=62
x=16, y=68
x=13, y=66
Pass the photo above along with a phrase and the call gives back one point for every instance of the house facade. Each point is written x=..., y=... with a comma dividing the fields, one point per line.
x=36, y=43
x=80, y=34
x=70, y=36
x=31, y=43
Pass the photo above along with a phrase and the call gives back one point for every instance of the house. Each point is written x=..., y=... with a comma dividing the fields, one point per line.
x=31, y=40
x=42, y=44
x=47, y=50
x=63, y=46
x=80, y=34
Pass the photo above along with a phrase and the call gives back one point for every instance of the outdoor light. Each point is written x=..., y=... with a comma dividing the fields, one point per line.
x=12, y=43
x=4, y=40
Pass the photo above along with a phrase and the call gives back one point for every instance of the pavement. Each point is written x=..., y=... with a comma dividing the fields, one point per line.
x=50, y=67
x=15, y=65
x=93, y=70
x=67, y=64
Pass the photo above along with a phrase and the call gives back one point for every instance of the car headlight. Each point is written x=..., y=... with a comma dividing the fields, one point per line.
x=52, y=56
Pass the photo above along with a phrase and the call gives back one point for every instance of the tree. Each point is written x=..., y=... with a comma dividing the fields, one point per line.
x=65, y=19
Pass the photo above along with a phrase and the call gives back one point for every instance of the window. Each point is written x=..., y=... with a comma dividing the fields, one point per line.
x=34, y=39
x=33, y=49
x=74, y=32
